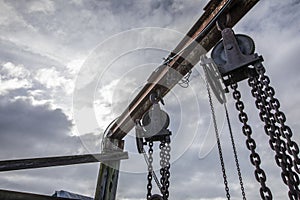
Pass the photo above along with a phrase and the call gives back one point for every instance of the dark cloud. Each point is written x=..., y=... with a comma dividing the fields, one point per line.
x=35, y=128
x=29, y=131
x=42, y=36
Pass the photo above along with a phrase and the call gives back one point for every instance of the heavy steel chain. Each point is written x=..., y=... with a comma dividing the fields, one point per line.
x=277, y=144
x=235, y=154
x=165, y=168
x=275, y=127
x=259, y=173
x=149, y=164
x=280, y=118
x=150, y=170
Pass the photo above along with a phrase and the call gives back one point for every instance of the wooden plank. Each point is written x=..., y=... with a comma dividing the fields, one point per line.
x=205, y=33
x=31, y=163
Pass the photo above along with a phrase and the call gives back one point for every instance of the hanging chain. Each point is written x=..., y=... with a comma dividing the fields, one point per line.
x=280, y=118
x=149, y=164
x=277, y=144
x=165, y=156
x=165, y=168
x=150, y=170
x=273, y=117
x=217, y=136
x=235, y=154
x=259, y=173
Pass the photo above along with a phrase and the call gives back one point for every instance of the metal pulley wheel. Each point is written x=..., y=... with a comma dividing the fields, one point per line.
x=246, y=45
x=156, y=197
x=213, y=78
x=154, y=121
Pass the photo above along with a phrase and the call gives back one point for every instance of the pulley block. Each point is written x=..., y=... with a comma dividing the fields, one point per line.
x=234, y=55
x=153, y=126
x=155, y=123
x=155, y=120
x=245, y=44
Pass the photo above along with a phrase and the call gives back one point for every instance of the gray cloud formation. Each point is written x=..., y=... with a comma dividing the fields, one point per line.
x=50, y=40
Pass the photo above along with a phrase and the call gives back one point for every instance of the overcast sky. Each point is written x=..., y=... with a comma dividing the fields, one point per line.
x=69, y=67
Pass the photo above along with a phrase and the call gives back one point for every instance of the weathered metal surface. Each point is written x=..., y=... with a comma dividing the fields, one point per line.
x=108, y=176
x=9, y=165
x=233, y=55
x=205, y=33
x=107, y=181
x=12, y=195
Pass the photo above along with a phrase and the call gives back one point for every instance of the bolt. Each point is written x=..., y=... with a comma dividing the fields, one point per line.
x=229, y=46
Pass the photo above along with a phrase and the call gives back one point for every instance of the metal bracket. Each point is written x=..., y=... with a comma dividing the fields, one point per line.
x=112, y=145
x=233, y=55
x=109, y=171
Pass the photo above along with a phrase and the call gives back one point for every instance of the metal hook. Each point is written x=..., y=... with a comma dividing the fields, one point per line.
x=155, y=97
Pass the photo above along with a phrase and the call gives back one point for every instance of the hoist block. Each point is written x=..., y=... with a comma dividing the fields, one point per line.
x=234, y=55
x=152, y=127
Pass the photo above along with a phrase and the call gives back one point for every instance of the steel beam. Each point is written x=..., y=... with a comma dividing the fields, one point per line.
x=107, y=181
x=12, y=195
x=108, y=176
x=9, y=165
x=205, y=33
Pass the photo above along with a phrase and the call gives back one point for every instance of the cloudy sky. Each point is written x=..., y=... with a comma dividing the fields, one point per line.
x=69, y=67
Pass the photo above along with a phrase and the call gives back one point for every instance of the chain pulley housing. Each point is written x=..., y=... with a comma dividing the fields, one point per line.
x=234, y=55
x=153, y=126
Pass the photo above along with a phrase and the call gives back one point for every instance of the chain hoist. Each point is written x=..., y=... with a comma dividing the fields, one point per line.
x=233, y=55
x=236, y=61
x=153, y=128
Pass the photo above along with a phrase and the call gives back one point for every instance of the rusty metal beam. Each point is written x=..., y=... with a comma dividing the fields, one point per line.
x=205, y=33
x=12, y=195
x=9, y=165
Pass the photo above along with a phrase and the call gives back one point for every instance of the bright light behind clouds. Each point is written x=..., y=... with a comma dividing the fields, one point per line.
x=44, y=47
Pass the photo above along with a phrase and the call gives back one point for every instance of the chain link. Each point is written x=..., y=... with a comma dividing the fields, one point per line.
x=275, y=141
x=280, y=118
x=165, y=168
x=280, y=134
x=260, y=175
x=165, y=157
x=217, y=136
x=150, y=170
x=235, y=154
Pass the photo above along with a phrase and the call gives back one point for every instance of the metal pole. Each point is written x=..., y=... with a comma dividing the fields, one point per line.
x=31, y=163
x=107, y=181
x=108, y=176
